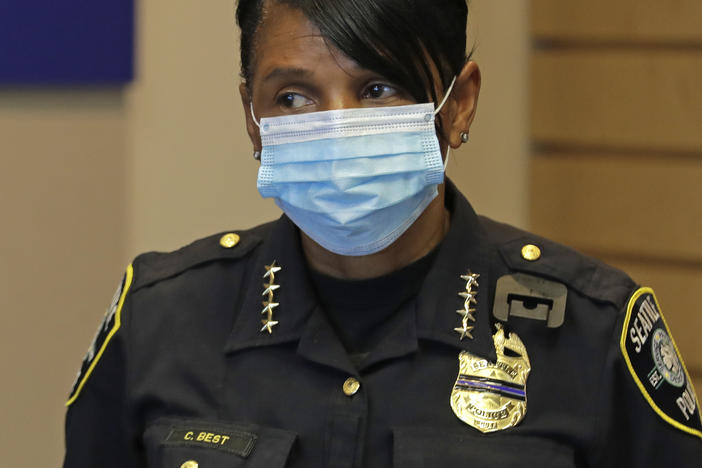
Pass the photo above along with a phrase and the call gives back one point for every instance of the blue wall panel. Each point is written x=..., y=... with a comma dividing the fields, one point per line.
x=66, y=42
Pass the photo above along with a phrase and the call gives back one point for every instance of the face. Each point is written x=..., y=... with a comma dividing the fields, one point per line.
x=297, y=71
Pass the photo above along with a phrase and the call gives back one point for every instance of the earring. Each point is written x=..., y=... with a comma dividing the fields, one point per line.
x=465, y=137
x=257, y=155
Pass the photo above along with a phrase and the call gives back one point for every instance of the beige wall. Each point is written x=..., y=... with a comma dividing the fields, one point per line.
x=493, y=169
x=62, y=236
x=190, y=167
x=91, y=178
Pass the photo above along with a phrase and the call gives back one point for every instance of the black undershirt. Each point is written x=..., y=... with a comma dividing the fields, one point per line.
x=362, y=311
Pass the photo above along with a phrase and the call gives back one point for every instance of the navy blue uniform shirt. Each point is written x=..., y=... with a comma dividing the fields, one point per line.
x=182, y=375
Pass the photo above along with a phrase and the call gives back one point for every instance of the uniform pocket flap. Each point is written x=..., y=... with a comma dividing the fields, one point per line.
x=421, y=447
x=172, y=442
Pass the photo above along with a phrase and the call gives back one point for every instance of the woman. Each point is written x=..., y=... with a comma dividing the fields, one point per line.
x=380, y=322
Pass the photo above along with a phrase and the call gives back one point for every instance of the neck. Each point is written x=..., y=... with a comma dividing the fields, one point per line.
x=420, y=239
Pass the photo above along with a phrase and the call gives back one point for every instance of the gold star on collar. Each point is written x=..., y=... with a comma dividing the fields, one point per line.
x=269, y=289
x=270, y=304
x=271, y=270
x=268, y=325
x=464, y=331
x=466, y=313
x=469, y=297
x=471, y=279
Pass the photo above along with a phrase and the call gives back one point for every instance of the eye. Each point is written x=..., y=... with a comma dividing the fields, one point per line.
x=379, y=91
x=293, y=101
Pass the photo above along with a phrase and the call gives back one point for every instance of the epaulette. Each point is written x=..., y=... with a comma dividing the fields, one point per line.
x=152, y=267
x=535, y=255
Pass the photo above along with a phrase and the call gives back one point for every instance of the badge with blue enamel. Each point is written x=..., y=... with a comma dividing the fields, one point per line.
x=656, y=365
x=492, y=396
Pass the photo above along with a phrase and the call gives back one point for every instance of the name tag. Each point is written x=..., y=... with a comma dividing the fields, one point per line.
x=236, y=442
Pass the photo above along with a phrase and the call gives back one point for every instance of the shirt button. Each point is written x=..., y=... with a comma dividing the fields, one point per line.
x=351, y=386
x=189, y=464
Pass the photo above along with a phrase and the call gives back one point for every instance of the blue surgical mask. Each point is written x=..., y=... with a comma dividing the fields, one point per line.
x=354, y=180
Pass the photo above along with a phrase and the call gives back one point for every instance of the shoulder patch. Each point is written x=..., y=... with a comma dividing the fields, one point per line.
x=655, y=364
x=105, y=332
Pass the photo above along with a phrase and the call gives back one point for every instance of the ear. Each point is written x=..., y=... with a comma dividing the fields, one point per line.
x=251, y=127
x=462, y=104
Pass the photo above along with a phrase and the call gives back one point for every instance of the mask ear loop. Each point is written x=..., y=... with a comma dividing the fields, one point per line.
x=446, y=96
x=257, y=154
x=253, y=116
x=438, y=109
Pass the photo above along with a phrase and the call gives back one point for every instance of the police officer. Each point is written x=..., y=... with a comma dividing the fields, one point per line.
x=379, y=322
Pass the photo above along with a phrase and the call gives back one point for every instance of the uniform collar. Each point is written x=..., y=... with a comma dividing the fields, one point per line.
x=295, y=295
x=464, y=249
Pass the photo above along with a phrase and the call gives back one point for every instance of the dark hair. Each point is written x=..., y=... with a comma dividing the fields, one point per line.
x=398, y=39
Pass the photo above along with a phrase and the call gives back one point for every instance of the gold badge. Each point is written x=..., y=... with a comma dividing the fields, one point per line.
x=492, y=397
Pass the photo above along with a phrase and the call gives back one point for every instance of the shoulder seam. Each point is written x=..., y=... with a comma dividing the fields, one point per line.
x=580, y=272
x=153, y=267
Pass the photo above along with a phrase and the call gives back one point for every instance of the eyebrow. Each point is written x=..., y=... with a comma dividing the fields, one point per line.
x=288, y=73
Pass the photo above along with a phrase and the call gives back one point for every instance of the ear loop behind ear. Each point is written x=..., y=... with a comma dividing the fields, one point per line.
x=446, y=96
x=257, y=154
x=253, y=116
x=436, y=112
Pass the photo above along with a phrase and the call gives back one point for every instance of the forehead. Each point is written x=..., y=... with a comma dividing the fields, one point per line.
x=287, y=38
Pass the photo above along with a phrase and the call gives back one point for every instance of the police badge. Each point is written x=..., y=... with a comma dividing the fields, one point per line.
x=492, y=397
